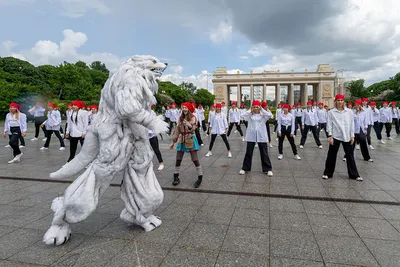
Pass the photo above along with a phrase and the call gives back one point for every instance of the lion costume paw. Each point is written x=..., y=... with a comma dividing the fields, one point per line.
x=57, y=235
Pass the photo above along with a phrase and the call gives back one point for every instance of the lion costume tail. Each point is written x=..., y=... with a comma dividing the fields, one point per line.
x=88, y=153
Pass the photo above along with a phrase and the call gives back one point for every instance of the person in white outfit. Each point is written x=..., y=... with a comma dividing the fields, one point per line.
x=395, y=117
x=264, y=105
x=211, y=114
x=52, y=125
x=16, y=126
x=375, y=119
x=201, y=118
x=369, y=120
x=224, y=108
x=286, y=126
x=234, y=119
x=173, y=117
x=219, y=126
x=77, y=127
x=309, y=122
x=322, y=117
x=340, y=126
x=256, y=133
x=38, y=113
x=385, y=119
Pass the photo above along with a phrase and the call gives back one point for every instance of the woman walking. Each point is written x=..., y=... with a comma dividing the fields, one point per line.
x=310, y=122
x=234, y=119
x=184, y=135
x=53, y=124
x=340, y=126
x=286, y=127
x=77, y=127
x=38, y=113
x=395, y=117
x=322, y=117
x=385, y=118
x=264, y=105
x=211, y=114
x=16, y=126
x=256, y=133
x=375, y=119
x=219, y=126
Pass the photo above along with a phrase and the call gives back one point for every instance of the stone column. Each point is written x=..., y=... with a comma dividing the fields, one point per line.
x=318, y=91
x=251, y=93
x=304, y=94
x=291, y=94
x=265, y=92
x=238, y=95
x=277, y=94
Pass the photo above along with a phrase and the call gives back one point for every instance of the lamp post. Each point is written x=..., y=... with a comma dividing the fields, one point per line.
x=208, y=75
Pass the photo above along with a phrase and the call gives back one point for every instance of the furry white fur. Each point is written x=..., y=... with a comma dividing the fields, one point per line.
x=116, y=141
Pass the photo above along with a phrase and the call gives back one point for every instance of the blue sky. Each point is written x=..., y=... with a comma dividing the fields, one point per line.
x=195, y=37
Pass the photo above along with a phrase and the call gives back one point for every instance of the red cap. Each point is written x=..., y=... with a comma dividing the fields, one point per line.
x=325, y=106
x=78, y=103
x=242, y=105
x=256, y=103
x=70, y=105
x=349, y=104
x=309, y=103
x=372, y=103
x=212, y=106
x=286, y=106
x=299, y=104
x=188, y=105
x=194, y=104
x=19, y=107
x=38, y=103
x=234, y=103
x=320, y=103
x=385, y=103
x=51, y=105
x=264, y=104
x=393, y=103
x=97, y=108
x=315, y=102
x=223, y=103
x=14, y=105
x=339, y=96
x=294, y=105
x=218, y=105
x=200, y=105
x=358, y=102
x=279, y=105
x=364, y=99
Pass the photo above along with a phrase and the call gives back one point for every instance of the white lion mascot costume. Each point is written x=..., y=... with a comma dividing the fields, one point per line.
x=116, y=141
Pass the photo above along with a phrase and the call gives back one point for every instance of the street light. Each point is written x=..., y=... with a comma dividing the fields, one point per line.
x=341, y=71
x=208, y=75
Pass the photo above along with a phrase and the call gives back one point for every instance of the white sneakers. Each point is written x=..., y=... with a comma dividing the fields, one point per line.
x=229, y=154
x=358, y=147
x=209, y=153
x=344, y=159
x=383, y=142
x=371, y=160
x=325, y=177
x=371, y=147
x=280, y=156
x=202, y=144
x=62, y=148
x=44, y=148
x=270, y=145
x=241, y=172
x=34, y=139
x=297, y=157
x=360, y=179
x=256, y=145
x=21, y=146
x=243, y=139
x=161, y=167
x=16, y=159
x=390, y=138
x=301, y=146
x=320, y=147
x=7, y=146
x=44, y=139
x=269, y=173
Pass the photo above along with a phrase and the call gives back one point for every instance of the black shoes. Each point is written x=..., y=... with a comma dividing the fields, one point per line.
x=176, y=179
x=198, y=182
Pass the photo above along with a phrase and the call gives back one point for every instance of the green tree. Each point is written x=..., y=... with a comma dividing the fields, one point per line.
x=204, y=97
x=97, y=65
x=357, y=88
x=190, y=87
x=81, y=64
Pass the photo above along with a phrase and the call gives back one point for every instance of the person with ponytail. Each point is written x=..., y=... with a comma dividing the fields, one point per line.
x=16, y=126
x=286, y=128
x=219, y=126
x=77, y=127
x=21, y=138
x=185, y=136
x=53, y=124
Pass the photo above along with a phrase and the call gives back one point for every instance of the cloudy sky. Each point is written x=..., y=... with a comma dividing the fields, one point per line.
x=195, y=37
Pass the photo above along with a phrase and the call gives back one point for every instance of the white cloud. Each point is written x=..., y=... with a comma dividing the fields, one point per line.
x=5, y=3
x=221, y=34
x=176, y=69
x=49, y=52
x=244, y=57
x=199, y=80
x=78, y=8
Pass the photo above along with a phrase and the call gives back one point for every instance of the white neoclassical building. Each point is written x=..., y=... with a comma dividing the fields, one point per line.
x=281, y=87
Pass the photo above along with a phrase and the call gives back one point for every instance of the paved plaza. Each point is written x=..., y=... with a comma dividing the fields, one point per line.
x=294, y=218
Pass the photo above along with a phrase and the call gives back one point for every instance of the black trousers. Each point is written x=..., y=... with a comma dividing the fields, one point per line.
x=268, y=131
x=156, y=148
x=57, y=133
x=202, y=125
x=171, y=126
x=223, y=136
x=388, y=127
x=362, y=140
x=305, y=132
x=396, y=125
x=21, y=139
x=15, y=135
x=368, y=135
x=275, y=126
x=237, y=128
x=198, y=136
x=38, y=122
x=323, y=126
x=298, y=125
x=265, y=161
x=244, y=122
x=74, y=146
x=285, y=132
x=377, y=130
x=330, y=162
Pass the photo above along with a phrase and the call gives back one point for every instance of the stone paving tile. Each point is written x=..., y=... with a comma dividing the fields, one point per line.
x=190, y=257
x=288, y=205
x=214, y=214
x=168, y=233
x=250, y=218
x=331, y=225
x=321, y=207
x=374, y=228
x=284, y=262
x=294, y=245
x=17, y=241
x=247, y=240
x=385, y=251
x=259, y=203
x=389, y=212
x=290, y=221
x=234, y=259
x=7, y=263
x=358, y=210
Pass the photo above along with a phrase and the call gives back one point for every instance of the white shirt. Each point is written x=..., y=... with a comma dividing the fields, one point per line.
x=385, y=115
x=298, y=112
x=53, y=118
x=257, y=130
x=21, y=122
x=375, y=114
x=395, y=113
x=224, y=110
x=210, y=116
x=322, y=115
x=167, y=113
x=200, y=115
x=37, y=111
x=242, y=111
x=278, y=113
x=286, y=121
x=310, y=117
x=234, y=115
x=219, y=124
x=174, y=115
x=78, y=123
x=340, y=125
x=369, y=117
x=360, y=121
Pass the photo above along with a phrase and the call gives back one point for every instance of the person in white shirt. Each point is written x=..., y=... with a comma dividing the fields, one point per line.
x=385, y=119
x=264, y=105
x=224, y=108
x=77, y=127
x=211, y=114
x=278, y=112
x=197, y=130
x=309, y=121
x=53, y=124
x=322, y=117
x=286, y=126
x=242, y=110
x=21, y=138
x=375, y=119
x=369, y=119
x=340, y=126
x=234, y=119
x=16, y=126
x=219, y=126
x=155, y=145
x=167, y=114
x=68, y=115
x=314, y=107
x=173, y=117
x=298, y=113
x=201, y=118
x=38, y=113
x=361, y=120
x=395, y=117
x=256, y=133
x=92, y=113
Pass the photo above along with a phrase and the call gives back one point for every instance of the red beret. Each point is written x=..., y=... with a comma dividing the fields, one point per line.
x=189, y=106
x=256, y=103
x=218, y=105
x=339, y=96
